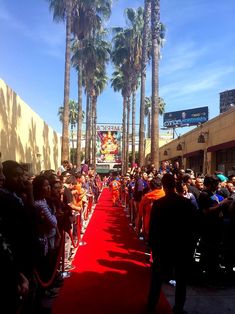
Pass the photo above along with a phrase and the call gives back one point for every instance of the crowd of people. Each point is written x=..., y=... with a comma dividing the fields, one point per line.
x=183, y=218
x=42, y=220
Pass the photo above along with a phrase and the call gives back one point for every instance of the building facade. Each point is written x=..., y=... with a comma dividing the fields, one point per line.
x=227, y=100
x=208, y=148
x=24, y=136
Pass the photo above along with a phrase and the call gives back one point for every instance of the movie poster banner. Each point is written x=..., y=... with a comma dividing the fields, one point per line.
x=108, y=143
x=183, y=118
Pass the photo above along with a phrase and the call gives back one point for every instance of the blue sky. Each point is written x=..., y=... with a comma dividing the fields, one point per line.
x=197, y=63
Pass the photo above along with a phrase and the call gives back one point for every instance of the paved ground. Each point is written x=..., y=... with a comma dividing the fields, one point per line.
x=200, y=300
x=206, y=300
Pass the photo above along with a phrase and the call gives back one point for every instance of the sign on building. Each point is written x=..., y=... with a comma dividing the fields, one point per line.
x=108, y=143
x=184, y=118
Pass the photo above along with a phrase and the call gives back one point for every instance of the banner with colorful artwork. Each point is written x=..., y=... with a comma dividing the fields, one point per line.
x=108, y=144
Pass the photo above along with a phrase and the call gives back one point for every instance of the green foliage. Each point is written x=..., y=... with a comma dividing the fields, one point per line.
x=136, y=158
x=58, y=7
x=127, y=49
x=73, y=155
x=73, y=113
x=148, y=104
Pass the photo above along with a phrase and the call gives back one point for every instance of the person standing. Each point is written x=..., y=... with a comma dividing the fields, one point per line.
x=115, y=190
x=211, y=226
x=62, y=168
x=17, y=240
x=170, y=239
x=146, y=206
x=85, y=168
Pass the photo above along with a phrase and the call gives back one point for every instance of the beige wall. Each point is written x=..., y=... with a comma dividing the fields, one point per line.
x=24, y=136
x=162, y=142
x=218, y=131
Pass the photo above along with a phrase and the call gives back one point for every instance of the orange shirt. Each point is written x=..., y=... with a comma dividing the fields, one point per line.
x=145, y=208
x=80, y=196
x=149, y=198
x=115, y=185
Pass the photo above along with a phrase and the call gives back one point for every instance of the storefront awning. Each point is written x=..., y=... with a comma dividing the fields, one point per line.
x=193, y=154
x=221, y=146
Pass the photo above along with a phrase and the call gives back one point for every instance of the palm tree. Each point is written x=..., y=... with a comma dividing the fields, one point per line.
x=80, y=115
x=119, y=84
x=88, y=128
x=62, y=10
x=100, y=82
x=133, y=125
x=87, y=23
x=126, y=56
x=135, y=21
x=121, y=57
x=73, y=119
x=88, y=15
x=96, y=52
x=145, y=44
x=77, y=64
x=147, y=111
x=155, y=28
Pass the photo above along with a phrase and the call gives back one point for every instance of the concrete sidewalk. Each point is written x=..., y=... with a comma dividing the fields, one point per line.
x=205, y=300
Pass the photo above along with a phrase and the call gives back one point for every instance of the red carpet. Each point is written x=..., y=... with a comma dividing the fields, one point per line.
x=111, y=274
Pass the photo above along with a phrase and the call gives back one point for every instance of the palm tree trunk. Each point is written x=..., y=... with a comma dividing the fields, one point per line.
x=124, y=135
x=128, y=131
x=88, y=130
x=133, y=124
x=72, y=140
x=94, y=103
x=91, y=130
x=147, y=14
x=95, y=133
x=65, y=128
x=72, y=135
x=149, y=124
x=79, y=126
x=155, y=18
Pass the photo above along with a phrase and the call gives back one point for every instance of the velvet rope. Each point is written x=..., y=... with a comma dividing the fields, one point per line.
x=90, y=202
x=88, y=209
x=75, y=245
x=49, y=282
